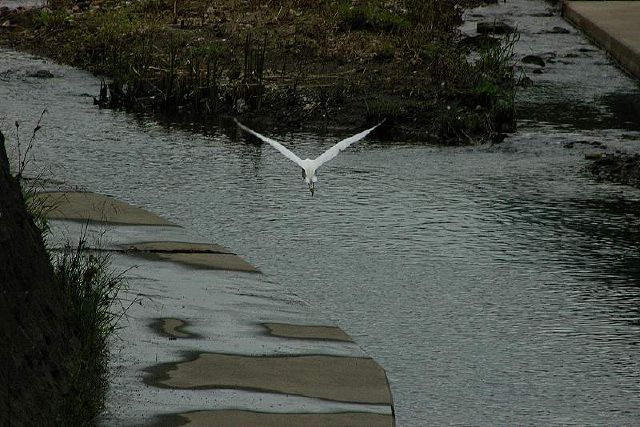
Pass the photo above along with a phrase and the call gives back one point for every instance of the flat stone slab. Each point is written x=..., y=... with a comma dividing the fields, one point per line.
x=285, y=330
x=345, y=379
x=199, y=255
x=614, y=25
x=235, y=418
x=85, y=206
x=171, y=247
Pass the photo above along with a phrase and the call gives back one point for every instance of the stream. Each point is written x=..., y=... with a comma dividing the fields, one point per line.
x=497, y=284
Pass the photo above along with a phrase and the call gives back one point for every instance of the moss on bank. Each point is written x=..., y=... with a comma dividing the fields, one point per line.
x=285, y=61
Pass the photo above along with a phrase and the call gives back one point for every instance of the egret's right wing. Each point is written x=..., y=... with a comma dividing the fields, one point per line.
x=275, y=144
x=341, y=146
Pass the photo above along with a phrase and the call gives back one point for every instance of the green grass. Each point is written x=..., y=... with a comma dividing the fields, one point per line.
x=371, y=16
x=92, y=303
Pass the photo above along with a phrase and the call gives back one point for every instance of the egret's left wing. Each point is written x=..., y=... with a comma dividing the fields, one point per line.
x=341, y=146
x=275, y=144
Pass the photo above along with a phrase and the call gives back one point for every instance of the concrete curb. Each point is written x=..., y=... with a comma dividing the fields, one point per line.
x=612, y=25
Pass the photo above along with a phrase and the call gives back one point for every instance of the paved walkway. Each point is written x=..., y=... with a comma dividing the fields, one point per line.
x=613, y=25
x=207, y=340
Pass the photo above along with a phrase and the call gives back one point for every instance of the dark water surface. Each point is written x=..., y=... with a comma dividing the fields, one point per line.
x=495, y=284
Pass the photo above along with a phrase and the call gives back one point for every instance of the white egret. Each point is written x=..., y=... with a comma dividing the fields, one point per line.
x=309, y=166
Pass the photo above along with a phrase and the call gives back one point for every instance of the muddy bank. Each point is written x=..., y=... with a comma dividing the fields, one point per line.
x=37, y=344
x=289, y=63
x=622, y=168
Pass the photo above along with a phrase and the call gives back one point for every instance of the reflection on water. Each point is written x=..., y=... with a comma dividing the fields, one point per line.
x=618, y=110
x=497, y=284
x=626, y=107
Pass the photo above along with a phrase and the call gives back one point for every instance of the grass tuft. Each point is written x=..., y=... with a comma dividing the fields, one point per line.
x=93, y=307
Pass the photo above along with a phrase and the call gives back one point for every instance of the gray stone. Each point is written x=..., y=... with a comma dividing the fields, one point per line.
x=494, y=27
x=533, y=59
x=41, y=74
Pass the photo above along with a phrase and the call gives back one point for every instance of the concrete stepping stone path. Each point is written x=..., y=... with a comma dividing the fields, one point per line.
x=205, y=343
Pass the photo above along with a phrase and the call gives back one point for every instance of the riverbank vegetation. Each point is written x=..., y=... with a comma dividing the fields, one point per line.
x=285, y=61
x=91, y=300
x=73, y=283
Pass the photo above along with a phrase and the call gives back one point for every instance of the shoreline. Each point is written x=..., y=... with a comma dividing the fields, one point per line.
x=343, y=63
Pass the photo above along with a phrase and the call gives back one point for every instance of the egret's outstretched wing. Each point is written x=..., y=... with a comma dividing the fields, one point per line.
x=275, y=144
x=341, y=146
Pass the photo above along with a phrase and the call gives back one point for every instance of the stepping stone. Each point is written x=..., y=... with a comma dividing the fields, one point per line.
x=198, y=255
x=171, y=328
x=345, y=379
x=85, y=206
x=238, y=418
x=327, y=333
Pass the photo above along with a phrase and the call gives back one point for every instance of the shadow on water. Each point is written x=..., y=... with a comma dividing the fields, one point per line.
x=625, y=107
x=611, y=111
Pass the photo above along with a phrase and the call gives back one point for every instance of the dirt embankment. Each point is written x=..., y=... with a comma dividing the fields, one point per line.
x=35, y=342
x=286, y=62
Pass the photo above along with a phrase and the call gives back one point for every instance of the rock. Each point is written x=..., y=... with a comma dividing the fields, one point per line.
x=537, y=71
x=41, y=74
x=547, y=14
x=533, y=59
x=558, y=30
x=494, y=27
x=498, y=138
x=623, y=168
x=481, y=41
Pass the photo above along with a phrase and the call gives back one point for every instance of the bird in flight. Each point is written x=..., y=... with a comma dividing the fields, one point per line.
x=309, y=166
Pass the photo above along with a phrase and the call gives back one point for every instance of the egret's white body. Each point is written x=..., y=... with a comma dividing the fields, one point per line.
x=310, y=166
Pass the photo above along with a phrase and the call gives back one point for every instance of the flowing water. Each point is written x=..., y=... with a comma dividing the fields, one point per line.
x=496, y=284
